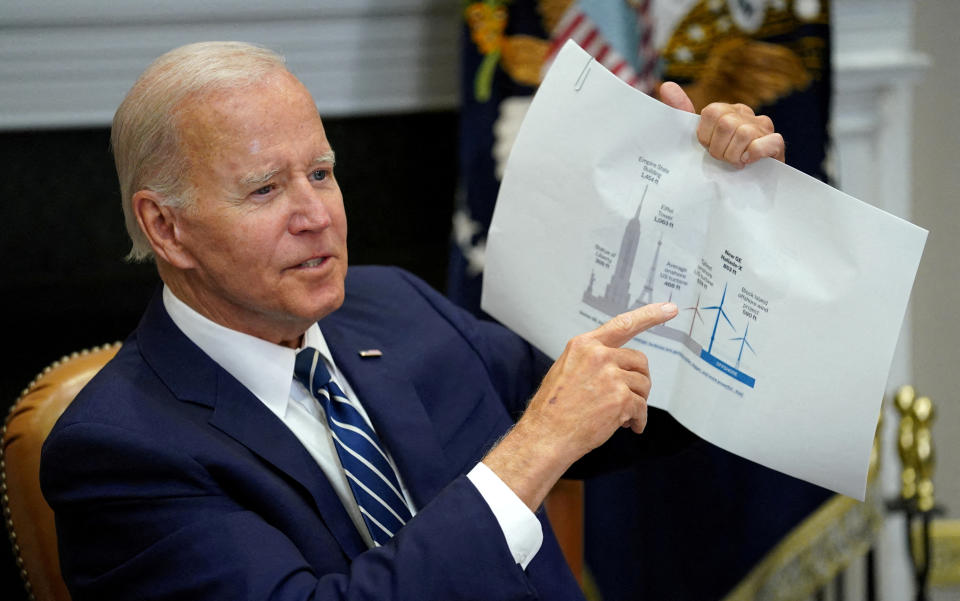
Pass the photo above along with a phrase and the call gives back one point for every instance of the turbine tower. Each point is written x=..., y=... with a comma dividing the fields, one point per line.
x=720, y=311
x=743, y=342
x=696, y=315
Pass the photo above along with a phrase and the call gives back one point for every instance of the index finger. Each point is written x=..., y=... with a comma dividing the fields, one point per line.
x=623, y=327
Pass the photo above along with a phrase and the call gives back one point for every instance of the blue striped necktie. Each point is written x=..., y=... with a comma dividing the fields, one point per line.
x=372, y=479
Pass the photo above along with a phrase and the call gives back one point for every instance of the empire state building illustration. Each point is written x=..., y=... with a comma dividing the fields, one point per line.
x=616, y=298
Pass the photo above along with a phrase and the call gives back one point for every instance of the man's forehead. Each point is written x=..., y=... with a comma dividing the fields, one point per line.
x=226, y=97
x=243, y=118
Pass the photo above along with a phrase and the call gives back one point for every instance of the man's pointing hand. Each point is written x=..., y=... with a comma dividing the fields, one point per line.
x=592, y=389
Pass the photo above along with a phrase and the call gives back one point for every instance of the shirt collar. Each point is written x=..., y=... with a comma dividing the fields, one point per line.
x=264, y=368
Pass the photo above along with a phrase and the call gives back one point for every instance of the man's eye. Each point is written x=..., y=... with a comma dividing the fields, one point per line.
x=320, y=174
x=264, y=190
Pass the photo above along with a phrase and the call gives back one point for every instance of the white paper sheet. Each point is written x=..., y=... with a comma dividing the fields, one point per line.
x=791, y=293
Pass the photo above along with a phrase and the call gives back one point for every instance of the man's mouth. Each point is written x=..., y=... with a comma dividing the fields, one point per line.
x=313, y=262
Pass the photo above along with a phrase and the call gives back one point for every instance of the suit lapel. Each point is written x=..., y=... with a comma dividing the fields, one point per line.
x=194, y=377
x=244, y=418
x=394, y=407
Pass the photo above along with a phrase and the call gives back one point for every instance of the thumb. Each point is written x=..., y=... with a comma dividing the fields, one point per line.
x=672, y=95
x=623, y=327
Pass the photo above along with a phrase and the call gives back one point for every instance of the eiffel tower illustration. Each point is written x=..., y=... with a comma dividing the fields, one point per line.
x=646, y=295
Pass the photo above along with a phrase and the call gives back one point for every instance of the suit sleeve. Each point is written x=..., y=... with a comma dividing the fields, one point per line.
x=132, y=511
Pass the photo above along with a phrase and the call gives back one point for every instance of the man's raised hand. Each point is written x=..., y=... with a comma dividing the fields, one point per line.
x=730, y=132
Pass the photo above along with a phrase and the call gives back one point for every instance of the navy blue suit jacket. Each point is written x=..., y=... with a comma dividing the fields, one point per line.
x=170, y=480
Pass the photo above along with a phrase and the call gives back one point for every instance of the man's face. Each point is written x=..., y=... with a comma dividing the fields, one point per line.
x=265, y=238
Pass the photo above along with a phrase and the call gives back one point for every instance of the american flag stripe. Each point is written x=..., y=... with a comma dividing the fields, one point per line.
x=576, y=25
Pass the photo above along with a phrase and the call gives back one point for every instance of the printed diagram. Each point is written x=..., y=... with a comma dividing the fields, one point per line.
x=616, y=299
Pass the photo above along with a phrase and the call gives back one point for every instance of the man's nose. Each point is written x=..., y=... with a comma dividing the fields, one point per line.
x=308, y=208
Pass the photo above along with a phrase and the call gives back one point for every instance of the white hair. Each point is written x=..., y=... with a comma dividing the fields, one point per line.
x=145, y=137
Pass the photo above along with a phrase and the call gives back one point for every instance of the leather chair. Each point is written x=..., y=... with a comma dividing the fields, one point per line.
x=29, y=519
x=564, y=507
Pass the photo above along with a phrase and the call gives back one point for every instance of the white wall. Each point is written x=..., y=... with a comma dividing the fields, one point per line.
x=69, y=63
x=875, y=70
x=936, y=194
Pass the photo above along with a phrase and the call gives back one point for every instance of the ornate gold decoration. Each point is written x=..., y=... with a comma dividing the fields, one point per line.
x=906, y=446
x=945, y=555
x=923, y=439
x=915, y=446
x=522, y=58
x=551, y=11
x=724, y=63
x=747, y=71
x=487, y=21
x=875, y=455
x=809, y=556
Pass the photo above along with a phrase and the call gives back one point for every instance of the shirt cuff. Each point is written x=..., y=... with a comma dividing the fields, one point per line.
x=520, y=526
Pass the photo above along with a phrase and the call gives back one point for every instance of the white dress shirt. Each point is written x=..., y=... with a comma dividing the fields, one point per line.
x=266, y=369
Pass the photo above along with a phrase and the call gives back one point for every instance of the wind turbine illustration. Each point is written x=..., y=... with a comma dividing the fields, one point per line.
x=720, y=311
x=696, y=314
x=743, y=343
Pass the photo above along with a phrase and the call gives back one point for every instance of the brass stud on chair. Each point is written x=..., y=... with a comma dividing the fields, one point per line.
x=4, y=497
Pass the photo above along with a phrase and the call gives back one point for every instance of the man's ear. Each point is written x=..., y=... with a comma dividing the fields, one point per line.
x=160, y=223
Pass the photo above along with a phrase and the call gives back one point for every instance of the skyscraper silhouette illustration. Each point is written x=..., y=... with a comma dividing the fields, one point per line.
x=616, y=297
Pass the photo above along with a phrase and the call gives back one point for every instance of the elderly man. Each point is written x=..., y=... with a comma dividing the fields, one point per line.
x=277, y=428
